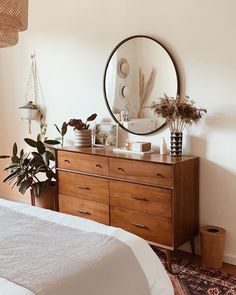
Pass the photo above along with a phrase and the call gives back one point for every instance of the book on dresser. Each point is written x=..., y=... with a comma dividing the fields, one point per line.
x=152, y=196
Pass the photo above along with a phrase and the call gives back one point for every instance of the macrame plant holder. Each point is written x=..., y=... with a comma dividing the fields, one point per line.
x=32, y=111
x=13, y=19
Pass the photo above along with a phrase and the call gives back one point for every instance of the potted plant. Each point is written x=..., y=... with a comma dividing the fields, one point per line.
x=30, y=111
x=35, y=171
x=178, y=113
x=83, y=135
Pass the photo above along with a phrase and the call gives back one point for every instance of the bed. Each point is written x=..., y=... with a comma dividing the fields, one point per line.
x=151, y=269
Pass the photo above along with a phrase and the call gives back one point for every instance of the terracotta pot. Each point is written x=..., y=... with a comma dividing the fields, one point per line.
x=46, y=200
x=83, y=138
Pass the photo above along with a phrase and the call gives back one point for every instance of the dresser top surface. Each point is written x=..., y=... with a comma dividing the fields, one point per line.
x=108, y=152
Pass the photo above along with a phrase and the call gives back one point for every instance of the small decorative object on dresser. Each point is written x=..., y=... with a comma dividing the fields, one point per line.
x=33, y=171
x=178, y=112
x=83, y=135
x=105, y=134
x=144, y=194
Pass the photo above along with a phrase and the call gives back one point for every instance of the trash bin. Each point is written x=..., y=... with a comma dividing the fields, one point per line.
x=212, y=240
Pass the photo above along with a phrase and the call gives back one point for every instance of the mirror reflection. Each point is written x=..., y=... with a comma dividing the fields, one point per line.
x=138, y=71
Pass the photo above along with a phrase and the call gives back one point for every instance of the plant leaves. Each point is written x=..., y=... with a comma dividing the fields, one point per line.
x=40, y=147
x=4, y=157
x=50, y=174
x=21, y=153
x=92, y=117
x=30, y=142
x=46, y=159
x=50, y=156
x=63, y=129
x=11, y=176
x=14, y=152
x=39, y=137
x=25, y=185
x=15, y=159
x=52, y=142
x=57, y=128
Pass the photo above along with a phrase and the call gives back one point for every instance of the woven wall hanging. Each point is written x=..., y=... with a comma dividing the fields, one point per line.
x=13, y=19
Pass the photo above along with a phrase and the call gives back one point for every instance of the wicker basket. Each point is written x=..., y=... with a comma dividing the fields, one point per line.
x=13, y=19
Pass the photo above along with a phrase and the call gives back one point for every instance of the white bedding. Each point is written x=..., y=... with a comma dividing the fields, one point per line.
x=157, y=277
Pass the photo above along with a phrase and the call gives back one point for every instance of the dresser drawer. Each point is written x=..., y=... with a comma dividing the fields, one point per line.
x=150, y=173
x=83, y=208
x=83, y=186
x=147, y=199
x=150, y=227
x=82, y=162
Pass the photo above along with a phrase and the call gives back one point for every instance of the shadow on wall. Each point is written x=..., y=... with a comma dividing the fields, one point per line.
x=224, y=119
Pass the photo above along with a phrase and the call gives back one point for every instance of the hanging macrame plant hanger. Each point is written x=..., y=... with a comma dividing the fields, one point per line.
x=32, y=111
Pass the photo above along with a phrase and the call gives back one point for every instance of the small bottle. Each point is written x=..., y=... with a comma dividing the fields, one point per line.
x=163, y=147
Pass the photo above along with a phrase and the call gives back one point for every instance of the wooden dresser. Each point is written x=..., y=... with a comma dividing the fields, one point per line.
x=153, y=196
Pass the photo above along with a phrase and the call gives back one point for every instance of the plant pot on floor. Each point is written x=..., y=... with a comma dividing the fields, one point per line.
x=83, y=138
x=46, y=200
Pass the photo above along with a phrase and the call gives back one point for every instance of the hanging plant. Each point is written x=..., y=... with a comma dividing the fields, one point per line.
x=32, y=111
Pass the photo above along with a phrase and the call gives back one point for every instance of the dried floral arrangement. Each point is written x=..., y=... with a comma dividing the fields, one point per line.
x=145, y=90
x=178, y=111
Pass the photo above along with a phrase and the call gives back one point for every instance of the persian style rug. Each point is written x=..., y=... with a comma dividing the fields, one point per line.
x=191, y=279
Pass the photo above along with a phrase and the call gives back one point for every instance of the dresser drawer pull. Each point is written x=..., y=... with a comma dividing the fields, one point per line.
x=121, y=169
x=139, y=198
x=67, y=161
x=160, y=175
x=99, y=166
x=82, y=187
x=83, y=212
x=139, y=225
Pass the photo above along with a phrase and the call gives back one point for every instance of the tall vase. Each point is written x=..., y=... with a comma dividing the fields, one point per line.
x=176, y=141
x=83, y=138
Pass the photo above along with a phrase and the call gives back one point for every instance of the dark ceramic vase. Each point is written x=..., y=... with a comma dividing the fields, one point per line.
x=176, y=139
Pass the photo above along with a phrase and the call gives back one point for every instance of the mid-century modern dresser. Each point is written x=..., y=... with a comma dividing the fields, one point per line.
x=153, y=196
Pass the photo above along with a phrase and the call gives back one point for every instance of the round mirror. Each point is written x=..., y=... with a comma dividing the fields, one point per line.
x=139, y=71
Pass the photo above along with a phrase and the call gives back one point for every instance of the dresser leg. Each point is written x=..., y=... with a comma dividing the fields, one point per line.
x=192, y=246
x=169, y=260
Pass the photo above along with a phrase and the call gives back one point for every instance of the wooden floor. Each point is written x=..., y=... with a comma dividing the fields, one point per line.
x=228, y=268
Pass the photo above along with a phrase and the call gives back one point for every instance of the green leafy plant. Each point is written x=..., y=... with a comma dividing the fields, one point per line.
x=62, y=131
x=178, y=112
x=32, y=170
x=78, y=124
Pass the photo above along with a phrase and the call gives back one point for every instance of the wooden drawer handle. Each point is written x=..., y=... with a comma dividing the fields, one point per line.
x=83, y=212
x=139, y=225
x=139, y=198
x=99, y=166
x=67, y=161
x=160, y=175
x=121, y=169
x=82, y=187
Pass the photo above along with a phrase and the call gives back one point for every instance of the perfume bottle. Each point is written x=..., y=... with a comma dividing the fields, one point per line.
x=163, y=147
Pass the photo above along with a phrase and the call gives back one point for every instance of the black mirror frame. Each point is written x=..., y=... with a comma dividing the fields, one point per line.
x=105, y=74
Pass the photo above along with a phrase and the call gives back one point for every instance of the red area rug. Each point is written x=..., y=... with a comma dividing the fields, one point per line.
x=191, y=279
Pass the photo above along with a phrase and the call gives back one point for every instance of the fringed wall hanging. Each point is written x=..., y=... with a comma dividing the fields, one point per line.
x=13, y=19
x=32, y=110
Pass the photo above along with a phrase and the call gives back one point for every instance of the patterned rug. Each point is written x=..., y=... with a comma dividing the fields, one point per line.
x=191, y=279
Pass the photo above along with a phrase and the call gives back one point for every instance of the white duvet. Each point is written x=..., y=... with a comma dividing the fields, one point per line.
x=157, y=276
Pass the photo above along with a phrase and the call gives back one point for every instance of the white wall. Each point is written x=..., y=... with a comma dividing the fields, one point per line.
x=73, y=39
